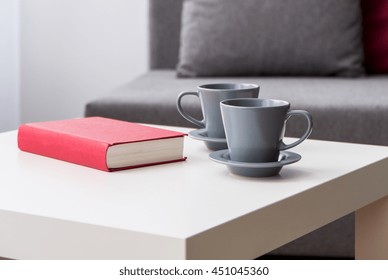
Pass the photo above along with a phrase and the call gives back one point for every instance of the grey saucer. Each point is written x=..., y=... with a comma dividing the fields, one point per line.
x=213, y=144
x=251, y=169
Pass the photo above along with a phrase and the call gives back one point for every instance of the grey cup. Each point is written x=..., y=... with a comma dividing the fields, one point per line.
x=210, y=96
x=255, y=128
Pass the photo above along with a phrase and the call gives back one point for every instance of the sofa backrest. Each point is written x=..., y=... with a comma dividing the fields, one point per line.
x=164, y=24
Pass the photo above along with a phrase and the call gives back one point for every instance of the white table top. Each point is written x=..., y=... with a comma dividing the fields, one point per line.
x=191, y=209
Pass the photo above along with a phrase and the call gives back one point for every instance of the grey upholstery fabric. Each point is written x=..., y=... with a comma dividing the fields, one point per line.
x=335, y=240
x=344, y=109
x=270, y=37
x=164, y=25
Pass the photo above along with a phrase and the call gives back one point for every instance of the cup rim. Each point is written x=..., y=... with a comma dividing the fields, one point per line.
x=224, y=86
x=276, y=103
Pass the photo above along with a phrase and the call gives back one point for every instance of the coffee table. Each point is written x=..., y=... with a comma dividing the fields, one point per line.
x=51, y=209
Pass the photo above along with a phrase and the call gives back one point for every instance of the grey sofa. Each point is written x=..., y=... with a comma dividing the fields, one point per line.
x=344, y=109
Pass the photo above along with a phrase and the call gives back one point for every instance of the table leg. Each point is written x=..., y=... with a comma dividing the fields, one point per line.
x=372, y=231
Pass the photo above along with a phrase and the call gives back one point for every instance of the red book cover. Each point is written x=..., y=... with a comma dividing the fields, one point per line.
x=85, y=141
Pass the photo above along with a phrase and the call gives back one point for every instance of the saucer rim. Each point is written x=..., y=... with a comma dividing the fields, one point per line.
x=195, y=135
x=291, y=157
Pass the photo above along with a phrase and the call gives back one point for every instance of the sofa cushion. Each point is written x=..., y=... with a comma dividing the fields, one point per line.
x=375, y=32
x=344, y=109
x=270, y=37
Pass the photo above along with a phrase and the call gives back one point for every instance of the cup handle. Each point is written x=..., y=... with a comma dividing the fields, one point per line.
x=184, y=114
x=309, y=119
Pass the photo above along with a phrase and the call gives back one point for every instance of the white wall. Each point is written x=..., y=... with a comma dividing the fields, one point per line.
x=9, y=65
x=73, y=51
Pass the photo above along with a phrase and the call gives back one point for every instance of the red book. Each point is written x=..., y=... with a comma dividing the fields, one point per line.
x=102, y=143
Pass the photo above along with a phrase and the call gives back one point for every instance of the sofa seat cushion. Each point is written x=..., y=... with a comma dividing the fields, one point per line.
x=343, y=109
